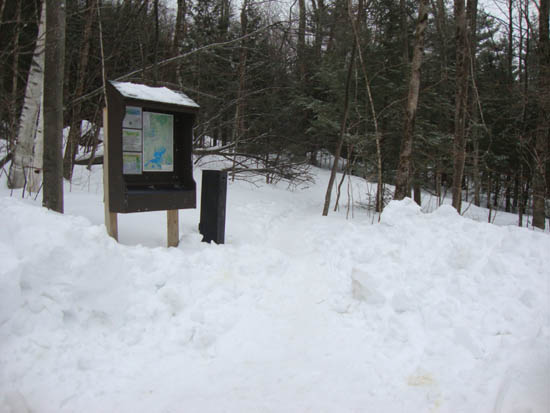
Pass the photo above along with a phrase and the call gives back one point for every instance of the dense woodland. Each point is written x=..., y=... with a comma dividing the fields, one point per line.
x=424, y=95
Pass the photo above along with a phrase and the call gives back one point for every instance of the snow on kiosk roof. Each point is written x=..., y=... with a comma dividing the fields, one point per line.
x=154, y=94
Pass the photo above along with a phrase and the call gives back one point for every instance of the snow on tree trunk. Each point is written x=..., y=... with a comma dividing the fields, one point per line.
x=22, y=164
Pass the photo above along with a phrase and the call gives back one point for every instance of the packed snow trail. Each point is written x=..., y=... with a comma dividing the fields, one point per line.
x=296, y=313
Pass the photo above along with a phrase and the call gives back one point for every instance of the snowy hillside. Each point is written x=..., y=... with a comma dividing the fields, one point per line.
x=422, y=312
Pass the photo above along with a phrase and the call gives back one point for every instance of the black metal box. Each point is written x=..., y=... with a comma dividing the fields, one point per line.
x=213, y=200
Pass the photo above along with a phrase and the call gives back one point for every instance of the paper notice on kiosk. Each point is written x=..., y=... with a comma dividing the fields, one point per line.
x=132, y=117
x=131, y=163
x=131, y=140
x=158, y=142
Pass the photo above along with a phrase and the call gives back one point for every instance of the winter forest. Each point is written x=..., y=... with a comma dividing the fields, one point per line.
x=386, y=229
x=446, y=98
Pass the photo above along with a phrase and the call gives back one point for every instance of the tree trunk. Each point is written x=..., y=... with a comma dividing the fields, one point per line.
x=497, y=192
x=475, y=165
x=438, y=184
x=461, y=101
x=441, y=27
x=238, y=125
x=319, y=13
x=21, y=166
x=404, y=32
x=2, y=75
x=543, y=122
x=404, y=167
x=179, y=32
x=515, y=199
x=156, y=43
x=73, y=139
x=53, y=105
x=238, y=129
x=474, y=129
x=417, y=189
x=489, y=189
x=377, y=134
x=179, y=36
x=343, y=127
x=301, y=40
x=510, y=52
x=519, y=197
x=15, y=63
x=508, y=194
x=14, y=101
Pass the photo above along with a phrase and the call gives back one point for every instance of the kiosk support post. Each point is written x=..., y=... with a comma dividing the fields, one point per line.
x=111, y=221
x=173, y=227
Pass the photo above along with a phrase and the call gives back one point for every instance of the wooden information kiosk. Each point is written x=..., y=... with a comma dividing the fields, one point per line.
x=148, y=142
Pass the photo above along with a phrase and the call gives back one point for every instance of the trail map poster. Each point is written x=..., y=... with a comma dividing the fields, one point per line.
x=158, y=142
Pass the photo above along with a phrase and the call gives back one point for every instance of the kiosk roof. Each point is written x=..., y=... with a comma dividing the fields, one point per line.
x=153, y=94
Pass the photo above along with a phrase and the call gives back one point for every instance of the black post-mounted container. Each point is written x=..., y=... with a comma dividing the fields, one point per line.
x=213, y=199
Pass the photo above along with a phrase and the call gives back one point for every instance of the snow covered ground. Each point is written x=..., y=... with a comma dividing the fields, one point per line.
x=422, y=312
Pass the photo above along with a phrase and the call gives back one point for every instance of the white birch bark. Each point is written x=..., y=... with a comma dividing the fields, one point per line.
x=35, y=174
x=22, y=165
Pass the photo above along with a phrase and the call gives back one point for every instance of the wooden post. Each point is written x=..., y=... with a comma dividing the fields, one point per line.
x=173, y=227
x=111, y=221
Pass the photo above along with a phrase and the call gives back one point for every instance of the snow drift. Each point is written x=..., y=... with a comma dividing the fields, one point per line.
x=419, y=313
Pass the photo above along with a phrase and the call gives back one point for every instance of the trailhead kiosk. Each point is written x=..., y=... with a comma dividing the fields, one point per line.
x=148, y=142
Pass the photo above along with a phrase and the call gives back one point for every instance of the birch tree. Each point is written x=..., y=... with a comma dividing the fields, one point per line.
x=24, y=165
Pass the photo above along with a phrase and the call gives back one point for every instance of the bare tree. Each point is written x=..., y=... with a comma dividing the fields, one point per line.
x=239, y=126
x=22, y=166
x=343, y=127
x=356, y=26
x=15, y=64
x=474, y=104
x=461, y=101
x=404, y=168
x=179, y=36
x=53, y=105
x=301, y=39
x=343, y=123
x=319, y=11
x=543, y=122
x=74, y=132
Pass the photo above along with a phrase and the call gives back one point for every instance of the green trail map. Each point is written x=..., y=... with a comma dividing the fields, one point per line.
x=158, y=142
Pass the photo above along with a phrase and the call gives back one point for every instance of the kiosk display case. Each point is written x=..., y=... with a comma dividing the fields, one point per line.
x=149, y=148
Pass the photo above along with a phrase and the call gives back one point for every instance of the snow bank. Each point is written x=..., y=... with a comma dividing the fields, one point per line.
x=420, y=313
